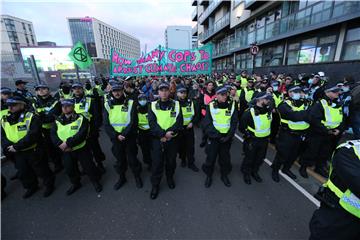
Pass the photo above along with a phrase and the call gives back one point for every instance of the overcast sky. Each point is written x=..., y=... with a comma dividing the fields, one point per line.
x=144, y=19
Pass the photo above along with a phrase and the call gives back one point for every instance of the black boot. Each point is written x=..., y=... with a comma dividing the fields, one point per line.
x=73, y=189
x=29, y=192
x=208, y=182
x=98, y=187
x=275, y=175
x=120, y=183
x=139, y=183
x=289, y=173
x=303, y=172
x=226, y=181
x=256, y=176
x=154, y=192
x=48, y=190
x=193, y=167
x=247, y=178
x=171, y=182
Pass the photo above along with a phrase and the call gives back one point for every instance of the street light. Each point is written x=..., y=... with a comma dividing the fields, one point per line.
x=178, y=29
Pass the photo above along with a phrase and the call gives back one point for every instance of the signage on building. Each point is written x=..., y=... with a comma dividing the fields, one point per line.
x=254, y=49
x=164, y=61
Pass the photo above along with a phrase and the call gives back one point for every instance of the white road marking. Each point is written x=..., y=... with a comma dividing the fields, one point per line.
x=290, y=180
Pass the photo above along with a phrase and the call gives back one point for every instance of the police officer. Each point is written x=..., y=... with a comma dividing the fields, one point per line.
x=144, y=134
x=22, y=92
x=120, y=125
x=69, y=134
x=86, y=106
x=243, y=78
x=219, y=124
x=5, y=94
x=278, y=98
x=246, y=95
x=19, y=135
x=64, y=91
x=326, y=126
x=47, y=107
x=339, y=214
x=255, y=123
x=186, y=139
x=165, y=120
x=294, y=123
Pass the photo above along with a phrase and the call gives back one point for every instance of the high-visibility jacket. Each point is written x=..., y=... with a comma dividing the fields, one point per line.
x=278, y=99
x=165, y=118
x=4, y=112
x=65, y=96
x=248, y=94
x=262, y=124
x=89, y=92
x=347, y=200
x=45, y=110
x=333, y=116
x=99, y=89
x=222, y=117
x=296, y=126
x=83, y=107
x=69, y=130
x=143, y=122
x=19, y=130
x=119, y=115
x=188, y=112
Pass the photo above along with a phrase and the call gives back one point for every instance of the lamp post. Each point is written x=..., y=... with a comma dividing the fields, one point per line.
x=178, y=29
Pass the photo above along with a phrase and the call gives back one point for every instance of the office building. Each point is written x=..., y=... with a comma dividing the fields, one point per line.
x=178, y=37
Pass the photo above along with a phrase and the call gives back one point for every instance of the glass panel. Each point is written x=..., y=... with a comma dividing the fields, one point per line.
x=251, y=37
x=308, y=43
x=260, y=34
x=353, y=34
x=302, y=4
x=292, y=57
x=352, y=51
x=328, y=39
x=294, y=46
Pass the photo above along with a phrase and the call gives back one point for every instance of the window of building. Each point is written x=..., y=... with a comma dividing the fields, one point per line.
x=273, y=56
x=351, y=49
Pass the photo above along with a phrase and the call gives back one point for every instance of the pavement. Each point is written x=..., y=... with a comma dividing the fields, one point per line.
x=265, y=210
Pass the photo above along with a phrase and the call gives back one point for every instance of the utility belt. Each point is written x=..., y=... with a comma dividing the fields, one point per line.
x=327, y=197
x=293, y=132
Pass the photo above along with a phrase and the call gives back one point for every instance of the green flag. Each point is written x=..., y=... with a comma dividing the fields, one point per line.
x=80, y=56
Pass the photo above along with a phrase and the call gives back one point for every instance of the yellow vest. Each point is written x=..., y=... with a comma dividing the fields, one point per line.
x=188, y=113
x=14, y=133
x=4, y=112
x=296, y=126
x=83, y=107
x=119, y=115
x=277, y=99
x=222, y=117
x=165, y=118
x=248, y=94
x=69, y=130
x=333, y=116
x=46, y=110
x=143, y=121
x=347, y=200
x=262, y=124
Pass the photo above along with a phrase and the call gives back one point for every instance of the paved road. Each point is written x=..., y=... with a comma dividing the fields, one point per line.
x=260, y=211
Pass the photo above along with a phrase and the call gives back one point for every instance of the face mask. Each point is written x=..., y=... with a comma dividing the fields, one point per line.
x=345, y=89
x=310, y=81
x=275, y=88
x=66, y=90
x=88, y=86
x=142, y=102
x=296, y=96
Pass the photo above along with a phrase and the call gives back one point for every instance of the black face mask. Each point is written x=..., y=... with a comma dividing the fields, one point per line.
x=88, y=86
x=66, y=89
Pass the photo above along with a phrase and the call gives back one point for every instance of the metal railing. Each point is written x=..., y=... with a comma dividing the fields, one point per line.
x=194, y=29
x=194, y=13
x=219, y=25
x=209, y=10
x=307, y=17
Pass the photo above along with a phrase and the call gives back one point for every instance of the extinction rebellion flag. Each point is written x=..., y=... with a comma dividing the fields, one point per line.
x=80, y=56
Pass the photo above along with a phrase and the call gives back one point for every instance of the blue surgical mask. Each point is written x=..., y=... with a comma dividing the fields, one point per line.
x=275, y=88
x=296, y=96
x=310, y=81
x=345, y=89
x=142, y=102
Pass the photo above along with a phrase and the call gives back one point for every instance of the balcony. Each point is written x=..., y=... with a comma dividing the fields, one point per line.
x=210, y=9
x=253, y=4
x=194, y=15
x=194, y=3
x=195, y=30
x=219, y=25
x=310, y=18
x=203, y=2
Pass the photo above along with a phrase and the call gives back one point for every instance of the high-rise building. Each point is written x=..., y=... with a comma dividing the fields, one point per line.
x=178, y=37
x=15, y=33
x=292, y=36
x=99, y=38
